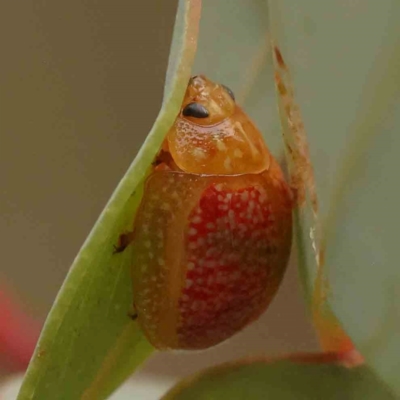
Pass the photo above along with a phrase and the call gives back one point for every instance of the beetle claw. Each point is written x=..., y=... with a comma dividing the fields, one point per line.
x=124, y=241
x=132, y=314
x=117, y=249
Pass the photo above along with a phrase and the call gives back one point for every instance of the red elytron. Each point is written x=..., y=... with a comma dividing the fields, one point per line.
x=213, y=233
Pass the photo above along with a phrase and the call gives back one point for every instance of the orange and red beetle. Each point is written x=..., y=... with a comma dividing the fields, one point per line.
x=213, y=232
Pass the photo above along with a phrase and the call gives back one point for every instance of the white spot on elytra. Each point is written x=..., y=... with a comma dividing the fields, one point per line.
x=211, y=264
x=196, y=219
x=165, y=206
x=190, y=265
x=245, y=196
x=147, y=244
x=243, y=227
x=192, y=231
x=189, y=283
x=262, y=198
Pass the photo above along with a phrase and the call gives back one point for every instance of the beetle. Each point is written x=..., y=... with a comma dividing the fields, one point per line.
x=212, y=235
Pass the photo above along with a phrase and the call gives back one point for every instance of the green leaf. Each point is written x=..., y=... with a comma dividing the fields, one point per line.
x=282, y=380
x=365, y=278
x=307, y=205
x=344, y=59
x=89, y=345
x=234, y=49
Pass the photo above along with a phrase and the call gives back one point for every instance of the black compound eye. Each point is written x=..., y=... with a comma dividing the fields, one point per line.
x=229, y=92
x=195, y=110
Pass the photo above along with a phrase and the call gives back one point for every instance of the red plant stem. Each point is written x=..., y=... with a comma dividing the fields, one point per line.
x=18, y=333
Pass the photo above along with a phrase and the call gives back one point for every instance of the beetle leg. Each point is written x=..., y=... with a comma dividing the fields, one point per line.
x=125, y=239
x=132, y=314
x=164, y=160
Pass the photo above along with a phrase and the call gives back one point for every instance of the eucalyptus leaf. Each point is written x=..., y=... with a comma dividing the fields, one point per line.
x=89, y=345
x=344, y=59
x=234, y=49
x=282, y=380
x=365, y=278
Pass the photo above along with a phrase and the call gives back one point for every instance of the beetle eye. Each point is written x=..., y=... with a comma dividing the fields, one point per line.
x=195, y=110
x=229, y=92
